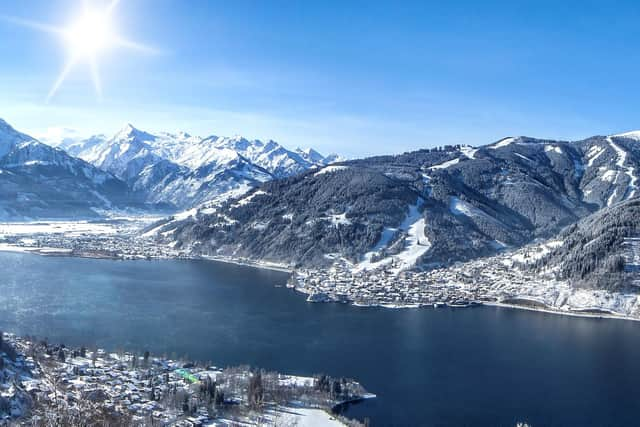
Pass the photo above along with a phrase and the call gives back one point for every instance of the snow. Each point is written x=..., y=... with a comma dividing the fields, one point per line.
x=498, y=245
x=609, y=176
x=629, y=170
x=416, y=244
x=593, y=154
x=552, y=148
x=469, y=151
x=249, y=198
x=330, y=169
x=531, y=254
x=502, y=143
x=631, y=135
x=185, y=214
x=523, y=157
x=341, y=219
x=69, y=228
x=298, y=381
x=301, y=417
x=385, y=238
x=612, y=197
x=460, y=207
x=196, y=167
x=446, y=164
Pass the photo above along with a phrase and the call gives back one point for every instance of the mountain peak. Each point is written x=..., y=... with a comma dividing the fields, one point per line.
x=9, y=137
x=6, y=128
x=131, y=132
x=310, y=155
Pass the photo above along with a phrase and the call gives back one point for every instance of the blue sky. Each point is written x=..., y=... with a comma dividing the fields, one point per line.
x=354, y=77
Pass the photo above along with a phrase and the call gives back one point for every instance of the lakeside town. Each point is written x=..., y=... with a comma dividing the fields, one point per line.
x=503, y=279
x=45, y=384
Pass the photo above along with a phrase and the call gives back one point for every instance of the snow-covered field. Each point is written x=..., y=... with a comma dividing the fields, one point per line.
x=302, y=417
x=446, y=164
x=70, y=228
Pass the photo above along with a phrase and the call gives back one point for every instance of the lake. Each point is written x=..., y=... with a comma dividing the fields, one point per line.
x=484, y=366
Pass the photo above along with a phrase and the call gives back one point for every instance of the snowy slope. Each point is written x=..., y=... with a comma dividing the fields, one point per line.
x=186, y=170
x=39, y=181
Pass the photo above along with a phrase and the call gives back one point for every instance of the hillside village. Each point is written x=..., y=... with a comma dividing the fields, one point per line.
x=43, y=384
x=503, y=279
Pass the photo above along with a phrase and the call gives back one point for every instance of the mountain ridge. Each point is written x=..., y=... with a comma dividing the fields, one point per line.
x=473, y=201
x=39, y=181
x=187, y=170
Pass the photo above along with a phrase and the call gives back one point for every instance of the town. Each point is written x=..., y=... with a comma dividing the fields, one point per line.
x=503, y=279
x=44, y=384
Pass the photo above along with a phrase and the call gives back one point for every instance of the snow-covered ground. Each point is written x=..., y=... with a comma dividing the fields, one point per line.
x=552, y=149
x=593, y=154
x=302, y=417
x=330, y=169
x=469, y=151
x=415, y=244
x=634, y=134
x=502, y=143
x=532, y=253
x=446, y=164
x=71, y=228
x=629, y=170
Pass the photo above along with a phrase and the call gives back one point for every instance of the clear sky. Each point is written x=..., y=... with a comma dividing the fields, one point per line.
x=354, y=77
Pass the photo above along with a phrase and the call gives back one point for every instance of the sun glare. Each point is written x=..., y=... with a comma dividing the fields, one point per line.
x=87, y=37
x=90, y=34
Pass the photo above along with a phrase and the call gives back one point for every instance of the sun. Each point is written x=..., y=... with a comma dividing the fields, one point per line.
x=86, y=37
x=90, y=34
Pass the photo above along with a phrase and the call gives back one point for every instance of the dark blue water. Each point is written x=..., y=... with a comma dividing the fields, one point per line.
x=477, y=367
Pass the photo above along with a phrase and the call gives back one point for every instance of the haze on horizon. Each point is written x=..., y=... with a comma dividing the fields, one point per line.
x=358, y=79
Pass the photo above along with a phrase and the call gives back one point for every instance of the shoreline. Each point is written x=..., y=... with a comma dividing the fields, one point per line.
x=562, y=312
x=247, y=263
x=59, y=252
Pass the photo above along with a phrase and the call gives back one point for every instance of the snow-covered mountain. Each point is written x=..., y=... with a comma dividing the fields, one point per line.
x=424, y=208
x=187, y=170
x=39, y=181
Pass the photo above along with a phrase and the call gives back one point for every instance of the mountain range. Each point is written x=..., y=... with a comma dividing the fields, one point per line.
x=184, y=170
x=39, y=181
x=164, y=172
x=421, y=209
